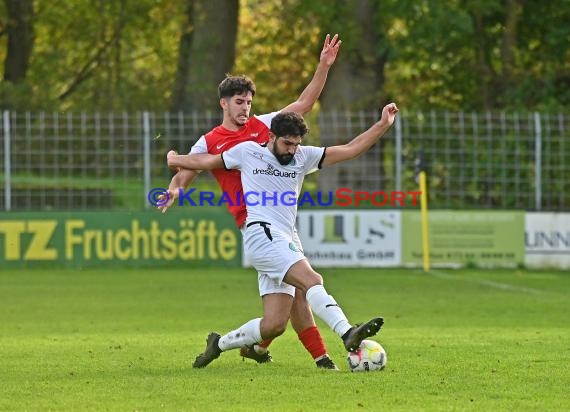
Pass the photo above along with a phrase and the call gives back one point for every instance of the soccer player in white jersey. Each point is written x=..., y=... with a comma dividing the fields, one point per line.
x=236, y=95
x=276, y=169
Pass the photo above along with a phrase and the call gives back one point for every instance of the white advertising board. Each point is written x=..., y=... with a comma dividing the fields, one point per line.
x=547, y=240
x=367, y=238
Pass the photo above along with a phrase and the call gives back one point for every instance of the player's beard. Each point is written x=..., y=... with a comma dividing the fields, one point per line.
x=283, y=159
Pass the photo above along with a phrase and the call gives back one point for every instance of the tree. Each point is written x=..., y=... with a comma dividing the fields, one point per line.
x=358, y=77
x=179, y=94
x=279, y=50
x=161, y=54
x=206, y=52
x=495, y=29
x=356, y=81
x=19, y=29
x=480, y=54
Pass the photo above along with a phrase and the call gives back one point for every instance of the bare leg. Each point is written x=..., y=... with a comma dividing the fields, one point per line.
x=303, y=276
x=276, y=310
x=301, y=315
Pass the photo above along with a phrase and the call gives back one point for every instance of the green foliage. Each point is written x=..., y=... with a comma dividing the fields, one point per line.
x=103, y=55
x=17, y=96
x=122, y=55
x=279, y=50
x=431, y=48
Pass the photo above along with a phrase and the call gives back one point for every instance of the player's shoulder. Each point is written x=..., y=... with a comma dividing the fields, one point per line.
x=307, y=150
x=249, y=147
x=263, y=120
x=249, y=144
x=245, y=152
x=216, y=133
x=308, y=154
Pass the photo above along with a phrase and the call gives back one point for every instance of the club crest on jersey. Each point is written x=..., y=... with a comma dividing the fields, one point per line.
x=294, y=247
x=257, y=155
x=272, y=171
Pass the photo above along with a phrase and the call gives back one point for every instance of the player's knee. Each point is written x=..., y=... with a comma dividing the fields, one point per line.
x=275, y=326
x=310, y=279
x=279, y=329
x=318, y=279
x=314, y=279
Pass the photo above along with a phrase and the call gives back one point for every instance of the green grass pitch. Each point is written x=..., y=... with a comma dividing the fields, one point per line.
x=124, y=340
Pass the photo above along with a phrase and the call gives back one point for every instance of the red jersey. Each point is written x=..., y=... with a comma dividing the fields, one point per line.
x=220, y=139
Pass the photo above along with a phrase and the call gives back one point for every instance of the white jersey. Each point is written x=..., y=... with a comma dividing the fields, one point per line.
x=271, y=189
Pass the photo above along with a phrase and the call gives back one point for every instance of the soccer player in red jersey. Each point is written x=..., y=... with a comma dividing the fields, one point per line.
x=236, y=95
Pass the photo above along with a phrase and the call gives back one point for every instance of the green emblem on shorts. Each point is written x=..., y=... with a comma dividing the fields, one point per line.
x=293, y=247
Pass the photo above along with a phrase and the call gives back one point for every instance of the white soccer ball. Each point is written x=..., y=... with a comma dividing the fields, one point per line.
x=370, y=356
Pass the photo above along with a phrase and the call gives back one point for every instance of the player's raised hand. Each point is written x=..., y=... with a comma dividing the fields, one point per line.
x=330, y=49
x=389, y=113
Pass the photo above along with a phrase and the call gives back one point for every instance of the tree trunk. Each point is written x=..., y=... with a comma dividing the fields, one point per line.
x=20, y=32
x=358, y=74
x=514, y=10
x=356, y=82
x=206, y=53
x=484, y=68
x=179, y=101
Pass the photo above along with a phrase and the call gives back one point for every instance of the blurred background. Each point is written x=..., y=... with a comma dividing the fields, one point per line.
x=168, y=55
x=94, y=92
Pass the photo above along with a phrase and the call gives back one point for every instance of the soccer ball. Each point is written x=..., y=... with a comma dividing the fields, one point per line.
x=370, y=356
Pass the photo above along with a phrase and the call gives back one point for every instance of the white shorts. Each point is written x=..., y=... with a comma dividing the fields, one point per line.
x=272, y=258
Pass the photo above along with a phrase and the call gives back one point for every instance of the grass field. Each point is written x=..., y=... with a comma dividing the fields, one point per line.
x=124, y=340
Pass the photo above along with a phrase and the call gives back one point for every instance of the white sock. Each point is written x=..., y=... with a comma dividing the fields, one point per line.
x=326, y=308
x=247, y=334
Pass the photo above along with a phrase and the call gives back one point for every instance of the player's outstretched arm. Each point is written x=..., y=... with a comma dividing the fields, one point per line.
x=311, y=93
x=364, y=141
x=180, y=180
x=203, y=161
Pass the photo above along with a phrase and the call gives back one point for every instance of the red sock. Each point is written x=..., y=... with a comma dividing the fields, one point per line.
x=313, y=341
x=265, y=343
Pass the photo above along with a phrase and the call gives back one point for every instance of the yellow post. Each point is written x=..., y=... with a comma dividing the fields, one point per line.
x=425, y=227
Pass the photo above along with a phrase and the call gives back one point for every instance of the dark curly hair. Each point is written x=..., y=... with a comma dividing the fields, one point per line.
x=233, y=85
x=289, y=124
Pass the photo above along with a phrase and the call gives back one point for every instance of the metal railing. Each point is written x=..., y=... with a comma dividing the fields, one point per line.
x=84, y=161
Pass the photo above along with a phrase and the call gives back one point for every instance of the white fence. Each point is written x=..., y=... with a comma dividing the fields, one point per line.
x=85, y=161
